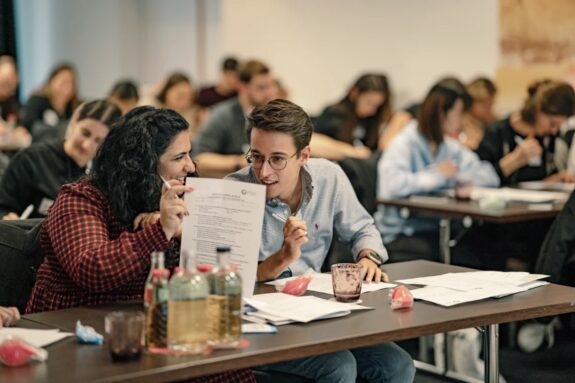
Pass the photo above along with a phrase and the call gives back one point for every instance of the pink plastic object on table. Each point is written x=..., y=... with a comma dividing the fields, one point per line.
x=297, y=286
x=401, y=298
x=14, y=351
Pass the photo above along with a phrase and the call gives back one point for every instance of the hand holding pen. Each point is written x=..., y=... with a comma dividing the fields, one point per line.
x=295, y=235
x=529, y=149
x=172, y=207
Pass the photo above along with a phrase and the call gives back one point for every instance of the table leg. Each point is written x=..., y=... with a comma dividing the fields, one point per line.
x=444, y=239
x=491, y=353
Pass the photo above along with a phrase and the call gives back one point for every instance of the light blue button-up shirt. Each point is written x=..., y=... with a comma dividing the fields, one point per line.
x=328, y=203
x=409, y=167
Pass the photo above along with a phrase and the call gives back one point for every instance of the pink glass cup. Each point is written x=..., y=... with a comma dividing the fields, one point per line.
x=346, y=281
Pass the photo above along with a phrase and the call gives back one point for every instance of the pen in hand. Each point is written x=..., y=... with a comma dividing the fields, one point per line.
x=279, y=217
x=166, y=183
x=26, y=213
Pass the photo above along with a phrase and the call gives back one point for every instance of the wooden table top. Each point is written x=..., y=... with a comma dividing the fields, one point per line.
x=69, y=361
x=446, y=207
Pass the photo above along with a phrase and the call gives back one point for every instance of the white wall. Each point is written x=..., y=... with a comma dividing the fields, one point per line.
x=106, y=40
x=316, y=47
x=319, y=47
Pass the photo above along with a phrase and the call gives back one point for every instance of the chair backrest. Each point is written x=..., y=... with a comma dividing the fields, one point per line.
x=20, y=257
x=558, y=247
x=363, y=176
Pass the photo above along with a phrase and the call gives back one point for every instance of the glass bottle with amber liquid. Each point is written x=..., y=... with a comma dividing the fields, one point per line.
x=225, y=303
x=187, y=314
x=156, y=303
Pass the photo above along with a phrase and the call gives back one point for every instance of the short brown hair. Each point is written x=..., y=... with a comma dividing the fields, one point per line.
x=282, y=116
x=481, y=89
x=250, y=69
x=550, y=97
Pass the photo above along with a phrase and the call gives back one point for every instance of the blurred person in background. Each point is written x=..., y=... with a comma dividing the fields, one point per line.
x=54, y=103
x=480, y=113
x=125, y=95
x=35, y=174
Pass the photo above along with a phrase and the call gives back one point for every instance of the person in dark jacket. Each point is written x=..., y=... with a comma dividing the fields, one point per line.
x=521, y=146
x=55, y=102
x=357, y=119
x=35, y=175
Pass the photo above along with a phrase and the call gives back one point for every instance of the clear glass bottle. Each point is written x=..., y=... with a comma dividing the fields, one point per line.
x=156, y=302
x=225, y=303
x=148, y=287
x=187, y=313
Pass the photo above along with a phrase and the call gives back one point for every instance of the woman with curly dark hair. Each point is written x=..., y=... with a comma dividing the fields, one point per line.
x=96, y=248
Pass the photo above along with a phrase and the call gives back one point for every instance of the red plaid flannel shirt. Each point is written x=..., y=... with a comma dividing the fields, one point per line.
x=90, y=257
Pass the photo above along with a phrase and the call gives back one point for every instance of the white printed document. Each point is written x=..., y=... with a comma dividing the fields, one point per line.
x=38, y=338
x=321, y=283
x=285, y=308
x=225, y=213
x=455, y=288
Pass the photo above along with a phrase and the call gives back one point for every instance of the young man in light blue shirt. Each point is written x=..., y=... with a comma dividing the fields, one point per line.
x=314, y=197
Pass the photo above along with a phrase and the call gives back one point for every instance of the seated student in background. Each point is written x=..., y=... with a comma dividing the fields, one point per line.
x=56, y=100
x=35, y=174
x=125, y=95
x=10, y=107
x=400, y=118
x=480, y=113
x=8, y=316
x=357, y=119
x=221, y=145
x=280, y=134
x=226, y=87
x=521, y=146
x=95, y=246
x=424, y=158
x=177, y=94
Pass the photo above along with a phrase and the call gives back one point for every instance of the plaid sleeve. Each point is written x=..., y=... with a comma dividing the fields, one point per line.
x=93, y=257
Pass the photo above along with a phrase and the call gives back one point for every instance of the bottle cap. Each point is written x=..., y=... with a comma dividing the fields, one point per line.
x=204, y=268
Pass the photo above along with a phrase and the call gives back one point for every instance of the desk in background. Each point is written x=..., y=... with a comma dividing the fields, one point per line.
x=449, y=208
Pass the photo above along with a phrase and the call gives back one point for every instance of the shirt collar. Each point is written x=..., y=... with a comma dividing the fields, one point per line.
x=307, y=185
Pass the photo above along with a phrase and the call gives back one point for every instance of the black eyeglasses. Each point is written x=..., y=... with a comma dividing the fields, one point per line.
x=275, y=162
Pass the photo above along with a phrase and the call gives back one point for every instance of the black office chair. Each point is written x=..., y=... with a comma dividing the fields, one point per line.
x=362, y=174
x=20, y=257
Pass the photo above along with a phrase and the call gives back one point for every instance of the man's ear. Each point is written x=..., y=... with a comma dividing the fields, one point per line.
x=305, y=155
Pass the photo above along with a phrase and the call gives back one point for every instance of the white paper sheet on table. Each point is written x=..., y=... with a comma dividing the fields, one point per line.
x=300, y=309
x=567, y=187
x=225, y=213
x=475, y=280
x=321, y=283
x=519, y=195
x=38, y=338
x=455, y=288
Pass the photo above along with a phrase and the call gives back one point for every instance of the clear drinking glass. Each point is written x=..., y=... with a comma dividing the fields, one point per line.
x=346, y=281
x=125, y=335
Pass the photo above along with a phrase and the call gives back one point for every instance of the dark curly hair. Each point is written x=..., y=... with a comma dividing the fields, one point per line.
x=126, y=166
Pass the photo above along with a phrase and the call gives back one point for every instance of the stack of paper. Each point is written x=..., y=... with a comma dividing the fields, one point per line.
x=455, y=288
x=279, y=308
x=38, y=338
x=519, y=195
x=321, y=283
